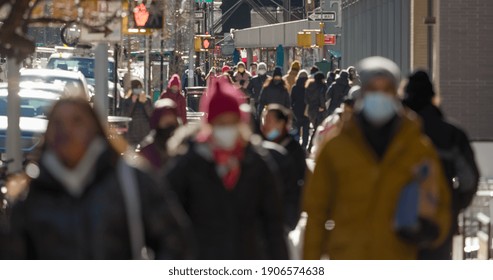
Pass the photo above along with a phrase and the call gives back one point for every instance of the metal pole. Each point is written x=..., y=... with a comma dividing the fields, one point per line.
x=116, y=93
x=161, y=81
x=101, y=74
x=13, y=112
x=147, y=65
x=191, y=49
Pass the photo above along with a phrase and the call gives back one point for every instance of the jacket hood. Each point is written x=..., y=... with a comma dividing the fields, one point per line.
x=174, y=81
x=301, y=81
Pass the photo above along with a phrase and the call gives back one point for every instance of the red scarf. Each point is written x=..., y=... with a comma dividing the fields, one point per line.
x=229, y=163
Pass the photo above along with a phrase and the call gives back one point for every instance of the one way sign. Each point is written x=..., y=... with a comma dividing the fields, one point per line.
x=323, y=16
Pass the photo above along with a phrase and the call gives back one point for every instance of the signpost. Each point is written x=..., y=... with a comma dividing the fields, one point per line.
x=330, y=39
x=100, y=14
x=323, y=16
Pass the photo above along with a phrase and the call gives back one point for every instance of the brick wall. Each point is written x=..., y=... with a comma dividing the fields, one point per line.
x=466, y=64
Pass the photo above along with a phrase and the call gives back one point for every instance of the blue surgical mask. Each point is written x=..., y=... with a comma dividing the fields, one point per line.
x=273, y=134
x=378, y=108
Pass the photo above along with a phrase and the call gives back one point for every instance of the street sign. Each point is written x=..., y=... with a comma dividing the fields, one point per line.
x=330, y=39
x=323, y=16
x=199, y=15
x=102, y=11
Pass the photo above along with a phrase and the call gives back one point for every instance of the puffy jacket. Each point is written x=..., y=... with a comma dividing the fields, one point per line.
x=255, y=87
x=360, y=194
x=244, y=223
x=178, y=98
x=337, y=92
x=290, y=79
x=274, y=94
x=315, y=99
x=298, y=98
x=52, y=224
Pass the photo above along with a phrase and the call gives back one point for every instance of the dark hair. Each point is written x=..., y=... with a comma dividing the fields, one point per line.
x=114, y=144
x=253, y=64
x=280, y=112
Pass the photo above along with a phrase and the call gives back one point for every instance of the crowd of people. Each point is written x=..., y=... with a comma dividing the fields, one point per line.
x=391, y=173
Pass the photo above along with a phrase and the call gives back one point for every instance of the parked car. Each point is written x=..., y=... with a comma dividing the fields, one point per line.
x=74, y=82
x=35, y=106
x=58, y=89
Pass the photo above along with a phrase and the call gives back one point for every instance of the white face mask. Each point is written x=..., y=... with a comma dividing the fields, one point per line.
x=262, y=72
x=378, y=108
x=225, y=137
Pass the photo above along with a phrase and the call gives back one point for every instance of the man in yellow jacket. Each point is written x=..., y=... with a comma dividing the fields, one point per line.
x=360, y=185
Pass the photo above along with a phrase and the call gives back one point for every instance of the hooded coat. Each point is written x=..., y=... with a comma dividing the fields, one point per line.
x=290, y=78
x=178, y=98
x=274, y=94
x=360, y=193
x=337, y=92
x=51, y=223
x=298, y=98
x=243, y=223
x=315, y=99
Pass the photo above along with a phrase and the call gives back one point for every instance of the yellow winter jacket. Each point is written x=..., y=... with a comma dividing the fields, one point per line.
x=360, y=193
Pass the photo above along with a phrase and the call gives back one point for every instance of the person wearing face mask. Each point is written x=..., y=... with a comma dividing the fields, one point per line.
x=256, y=84
x=164, y=121
x=173, y=92
x=85, y=201
x=226, y=185
x=353, y=76
x=337, y=92
x=137, y=105
x=276, y=122
x=274, y=91
x=378, y=182
x=242, y=77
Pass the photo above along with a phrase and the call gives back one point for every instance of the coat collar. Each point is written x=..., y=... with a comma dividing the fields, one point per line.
x=408, y=129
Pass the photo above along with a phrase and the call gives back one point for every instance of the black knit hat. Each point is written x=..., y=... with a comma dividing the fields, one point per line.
x=418, y=91
x=314, y=70
x=277, y=72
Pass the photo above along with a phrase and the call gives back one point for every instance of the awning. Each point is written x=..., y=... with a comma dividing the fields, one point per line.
x=335, y=54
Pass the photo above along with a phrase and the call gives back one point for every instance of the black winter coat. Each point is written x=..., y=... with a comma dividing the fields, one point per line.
x=52, y=224
x=298, y=98
x=245, y=223
x=274, y=94
x=336, y=93
x=315, y=99
x=446, y=136
x=255, y=87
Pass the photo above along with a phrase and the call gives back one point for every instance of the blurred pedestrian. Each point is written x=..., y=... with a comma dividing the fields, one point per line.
x=253, y=68
x=199, y=78
x=276, y=123
x=275, y=91
x=137, y=105
x=377, y=191
x=337, y=92
x=298, y=105
x=353, y=76
x=257, y=83
x=290, y=77
x=87, y=202
x=315, y=101
x=331, y=78
x=164, y=121
x=226, y=185
x=314, y=70
x=174, y=92
x=225, y=69
x=242, y=77
x=454, y=150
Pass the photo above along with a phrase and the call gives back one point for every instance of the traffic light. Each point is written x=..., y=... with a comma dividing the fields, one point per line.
x=320, y=39
x=304, y=40
x=204, y=43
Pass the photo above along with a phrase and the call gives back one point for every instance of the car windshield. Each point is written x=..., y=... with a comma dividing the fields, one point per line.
x=84, y=65
x=72, y=86
x=30, y=106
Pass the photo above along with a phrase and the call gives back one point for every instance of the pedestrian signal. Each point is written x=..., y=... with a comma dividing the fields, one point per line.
x=203, y=43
